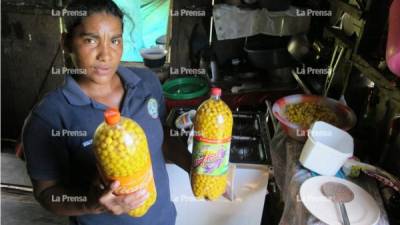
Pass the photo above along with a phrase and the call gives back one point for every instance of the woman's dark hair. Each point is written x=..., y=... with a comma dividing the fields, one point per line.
x=77, y=10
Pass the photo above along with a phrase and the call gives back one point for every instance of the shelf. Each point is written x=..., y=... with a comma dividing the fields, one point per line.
x=376, y=76
x=340, y=36
x=350, y=9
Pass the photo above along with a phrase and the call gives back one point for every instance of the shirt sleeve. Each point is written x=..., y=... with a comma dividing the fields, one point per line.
x=46, y=155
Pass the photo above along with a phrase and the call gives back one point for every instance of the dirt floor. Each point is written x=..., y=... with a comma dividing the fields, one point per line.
x=19, y=207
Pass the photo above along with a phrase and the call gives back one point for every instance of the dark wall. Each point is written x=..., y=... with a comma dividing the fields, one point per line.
x=189, y=34
x=30, y=42
x=33, y=3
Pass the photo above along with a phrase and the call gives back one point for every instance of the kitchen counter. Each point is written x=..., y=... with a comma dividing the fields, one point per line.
x=289, y=176
x=250, y=188
x=249, y=99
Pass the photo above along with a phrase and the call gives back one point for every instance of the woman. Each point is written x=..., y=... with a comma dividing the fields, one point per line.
x=57, y=137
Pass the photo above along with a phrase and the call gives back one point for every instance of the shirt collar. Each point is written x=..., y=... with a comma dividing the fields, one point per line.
x=129, y=78
x=75, y=96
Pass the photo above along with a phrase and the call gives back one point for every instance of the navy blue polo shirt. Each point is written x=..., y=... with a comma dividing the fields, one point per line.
x=57, y=141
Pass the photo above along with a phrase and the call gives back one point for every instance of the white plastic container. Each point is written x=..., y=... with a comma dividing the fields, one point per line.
x=326, y=149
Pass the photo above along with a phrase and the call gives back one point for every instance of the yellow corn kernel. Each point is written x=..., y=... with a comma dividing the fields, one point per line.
x=213, y=121
x=122, y=153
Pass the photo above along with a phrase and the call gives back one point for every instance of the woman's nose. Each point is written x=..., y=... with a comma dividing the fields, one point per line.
x=104, y=53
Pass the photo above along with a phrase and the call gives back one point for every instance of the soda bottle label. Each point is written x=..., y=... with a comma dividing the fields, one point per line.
x=131, y=184
x=210, y=157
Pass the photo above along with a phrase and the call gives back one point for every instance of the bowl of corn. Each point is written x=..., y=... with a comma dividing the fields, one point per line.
x=296, y=114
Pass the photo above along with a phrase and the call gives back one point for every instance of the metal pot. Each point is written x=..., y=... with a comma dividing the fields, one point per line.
x=299, y=47
x=275, y=5
x=233, y=2
x=268, y=52
x=250, y=2
x=282, y=75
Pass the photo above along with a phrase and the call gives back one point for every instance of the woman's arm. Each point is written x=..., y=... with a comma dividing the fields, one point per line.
x=62, y=201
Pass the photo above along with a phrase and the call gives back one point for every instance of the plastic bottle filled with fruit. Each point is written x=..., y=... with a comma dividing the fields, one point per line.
x=122, y=153
x=213, y=130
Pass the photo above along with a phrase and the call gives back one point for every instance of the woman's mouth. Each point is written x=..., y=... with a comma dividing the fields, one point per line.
x=102, y=70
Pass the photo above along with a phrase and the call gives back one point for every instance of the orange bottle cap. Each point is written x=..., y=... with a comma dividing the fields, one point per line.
x=216, y=91
x=112, y=116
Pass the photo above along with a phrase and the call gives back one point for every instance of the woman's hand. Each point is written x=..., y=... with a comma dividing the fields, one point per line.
x=119, y=204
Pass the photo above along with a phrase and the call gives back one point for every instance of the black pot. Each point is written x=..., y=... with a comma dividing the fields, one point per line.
x=275, y=5
x=281, y=75
x=268, y=52
x=153, y=57
x=154, y=63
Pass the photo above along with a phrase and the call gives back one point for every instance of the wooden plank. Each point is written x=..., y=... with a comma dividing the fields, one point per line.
x=350, y=9
x=340, y=37
x=27, y=54
x=377, y=77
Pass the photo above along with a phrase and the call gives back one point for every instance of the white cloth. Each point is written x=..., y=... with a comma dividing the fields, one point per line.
x=232, y=22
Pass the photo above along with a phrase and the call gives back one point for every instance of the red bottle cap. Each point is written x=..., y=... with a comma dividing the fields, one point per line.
x=112, y=116
x=216, y=91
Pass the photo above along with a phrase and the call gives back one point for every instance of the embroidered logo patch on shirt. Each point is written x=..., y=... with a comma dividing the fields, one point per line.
x=152, y=108
x=87, y=143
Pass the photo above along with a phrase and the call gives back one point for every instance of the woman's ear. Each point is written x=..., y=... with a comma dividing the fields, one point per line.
x=67, y=49
x=66, y=43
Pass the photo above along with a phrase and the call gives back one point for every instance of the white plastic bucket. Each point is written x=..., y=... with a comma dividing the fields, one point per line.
x=326, y=149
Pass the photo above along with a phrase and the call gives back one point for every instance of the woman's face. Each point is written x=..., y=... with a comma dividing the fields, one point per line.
x=97, y=46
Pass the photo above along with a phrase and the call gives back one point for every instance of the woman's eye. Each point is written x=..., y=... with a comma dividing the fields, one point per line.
x=90, y=41
x=116, y=41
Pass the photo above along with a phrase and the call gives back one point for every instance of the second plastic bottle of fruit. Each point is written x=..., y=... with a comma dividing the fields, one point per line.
x=121, y=149
x=210, y=158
